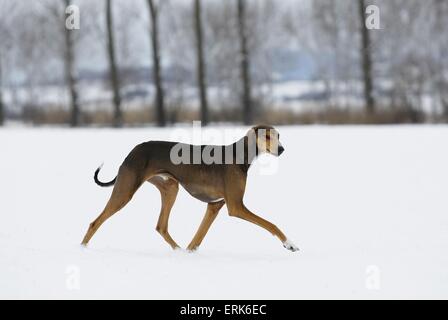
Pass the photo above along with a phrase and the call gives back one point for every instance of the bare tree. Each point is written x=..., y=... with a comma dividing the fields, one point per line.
x=70, y=76
x=245, y=64
x=366, y=60
x=59, y=41
x=220, y=32
x=159, y=101
x=115, y=81
x=2, y=117
x=325, y=19
x=201, y=72
x=6, y=31
x=440, y=8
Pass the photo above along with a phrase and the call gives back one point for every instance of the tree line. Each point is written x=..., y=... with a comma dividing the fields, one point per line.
x=397, y=73
x=69, y=53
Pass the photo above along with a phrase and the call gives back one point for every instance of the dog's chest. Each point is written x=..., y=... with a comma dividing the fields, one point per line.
x=204, y=183
x=203, y=192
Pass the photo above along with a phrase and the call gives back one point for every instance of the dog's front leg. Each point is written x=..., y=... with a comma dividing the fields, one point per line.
x=234, y=194
x=239, y=210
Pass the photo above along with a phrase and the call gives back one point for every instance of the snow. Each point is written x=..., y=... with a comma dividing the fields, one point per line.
x=366, y=206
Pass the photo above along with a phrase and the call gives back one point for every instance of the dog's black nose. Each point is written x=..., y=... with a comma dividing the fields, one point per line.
x=280, y=150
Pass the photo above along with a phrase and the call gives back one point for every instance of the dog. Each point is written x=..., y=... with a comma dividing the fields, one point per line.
x=218, y=182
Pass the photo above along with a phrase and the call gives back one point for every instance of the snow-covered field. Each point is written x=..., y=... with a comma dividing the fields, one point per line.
x=367, y=206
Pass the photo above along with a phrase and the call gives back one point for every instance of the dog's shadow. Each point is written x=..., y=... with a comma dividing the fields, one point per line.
x=200, y=256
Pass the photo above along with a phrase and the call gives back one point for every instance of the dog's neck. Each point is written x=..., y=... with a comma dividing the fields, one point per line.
x=242, y=154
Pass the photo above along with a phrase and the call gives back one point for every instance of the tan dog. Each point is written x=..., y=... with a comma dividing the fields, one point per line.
x=217, y=182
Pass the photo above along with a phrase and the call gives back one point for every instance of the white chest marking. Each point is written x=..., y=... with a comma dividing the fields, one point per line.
x=163, y=176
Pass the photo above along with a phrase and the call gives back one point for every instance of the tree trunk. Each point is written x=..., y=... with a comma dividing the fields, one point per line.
x=159, y=100
x=70, y=77
x=2, y=115
x=201, y=71
x=366, y=61
x=115, y=82
x=245, y=64
x=441, y=20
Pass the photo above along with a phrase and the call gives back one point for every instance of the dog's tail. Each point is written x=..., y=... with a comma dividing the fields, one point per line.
x=103, y=184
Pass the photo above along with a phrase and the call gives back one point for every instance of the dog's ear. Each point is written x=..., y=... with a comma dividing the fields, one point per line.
x=263, y=138
x=262, y=126
x=262, y=143
x=261, y=129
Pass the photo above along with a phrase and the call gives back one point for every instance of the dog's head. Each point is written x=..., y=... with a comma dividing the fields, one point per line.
x=267, y=139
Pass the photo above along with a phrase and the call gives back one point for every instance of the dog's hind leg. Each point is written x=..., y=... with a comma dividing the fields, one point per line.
x=168, y=188
x=210, y=216
x=126, y=185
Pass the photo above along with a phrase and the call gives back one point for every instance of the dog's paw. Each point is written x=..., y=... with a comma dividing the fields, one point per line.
x=290, y=246
x=192, y=249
